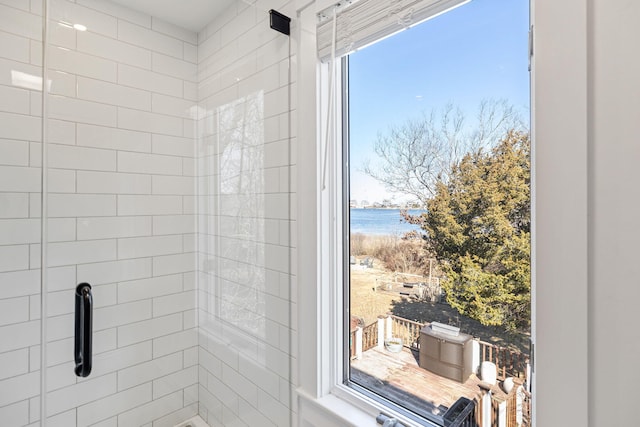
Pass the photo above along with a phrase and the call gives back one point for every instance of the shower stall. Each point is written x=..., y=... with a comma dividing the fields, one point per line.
x=151, y=163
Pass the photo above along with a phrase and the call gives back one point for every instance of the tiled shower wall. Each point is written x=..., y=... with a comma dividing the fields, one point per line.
x=19, y=186
x=245, y=151
x=122, y=209
x=123, y=215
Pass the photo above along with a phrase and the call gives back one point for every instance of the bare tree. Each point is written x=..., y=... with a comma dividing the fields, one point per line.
x=413, y=156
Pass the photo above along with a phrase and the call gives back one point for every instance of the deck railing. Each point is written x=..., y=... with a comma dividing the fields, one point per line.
x=352, y=344
x=519, y=409
x=408, y=330
x=516, y=406
x=370, y=336
x=509, y=363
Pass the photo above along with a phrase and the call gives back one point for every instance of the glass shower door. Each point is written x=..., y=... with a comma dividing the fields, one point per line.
x=120, y=209
x=20, y=193
x=245, y=221
x=167, y=161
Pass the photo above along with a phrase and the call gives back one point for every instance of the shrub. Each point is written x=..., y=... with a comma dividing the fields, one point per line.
x=402, y=254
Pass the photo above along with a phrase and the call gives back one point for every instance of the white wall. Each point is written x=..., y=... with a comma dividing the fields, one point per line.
x=586, y=111
x=560, y=240
x=245, y=218
x=121, y=203
x=614, y=209
x=19, y=187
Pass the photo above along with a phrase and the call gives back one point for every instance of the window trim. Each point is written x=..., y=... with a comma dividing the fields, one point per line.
x=322, y=398
x=333, y=241
x=559, y=168
x=345, y=211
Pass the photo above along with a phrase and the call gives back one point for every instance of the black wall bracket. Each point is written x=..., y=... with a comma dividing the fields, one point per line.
x=279, y=22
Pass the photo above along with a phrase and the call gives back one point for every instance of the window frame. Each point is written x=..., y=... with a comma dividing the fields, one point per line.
x=560, y=261
x=322, y=397
x=322, y=374
x=334, y=243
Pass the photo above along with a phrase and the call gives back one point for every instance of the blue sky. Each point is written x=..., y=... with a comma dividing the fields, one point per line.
x=474, y=52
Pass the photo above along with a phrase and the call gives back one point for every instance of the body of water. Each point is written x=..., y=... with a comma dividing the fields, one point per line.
x=381, y=221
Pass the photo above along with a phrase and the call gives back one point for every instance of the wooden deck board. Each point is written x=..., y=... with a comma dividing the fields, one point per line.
x=398, y=376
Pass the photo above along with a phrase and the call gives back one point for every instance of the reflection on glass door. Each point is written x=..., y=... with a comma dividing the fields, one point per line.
x=244, y=230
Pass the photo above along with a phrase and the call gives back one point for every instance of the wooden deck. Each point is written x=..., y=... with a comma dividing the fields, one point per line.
x=398, y=376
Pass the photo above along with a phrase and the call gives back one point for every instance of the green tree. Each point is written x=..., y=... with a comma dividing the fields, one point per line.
x=478, y=226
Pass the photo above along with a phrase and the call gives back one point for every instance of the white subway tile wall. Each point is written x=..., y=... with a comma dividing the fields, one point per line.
x=244, y=219
x=20, y=127
x=169, y=178
x=121, y=182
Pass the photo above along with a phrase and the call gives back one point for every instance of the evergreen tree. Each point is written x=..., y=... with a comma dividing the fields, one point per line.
x=478, y=226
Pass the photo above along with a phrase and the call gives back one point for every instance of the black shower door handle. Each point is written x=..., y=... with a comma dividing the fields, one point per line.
x=83, y=329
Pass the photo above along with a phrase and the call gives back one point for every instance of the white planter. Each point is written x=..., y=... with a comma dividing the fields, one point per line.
x=393, y=345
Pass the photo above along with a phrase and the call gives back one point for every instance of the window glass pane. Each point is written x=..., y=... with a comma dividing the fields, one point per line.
x=439, y=212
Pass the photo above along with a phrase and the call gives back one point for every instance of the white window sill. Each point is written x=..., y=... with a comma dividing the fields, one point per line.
x=346, y=407
x=332, y=411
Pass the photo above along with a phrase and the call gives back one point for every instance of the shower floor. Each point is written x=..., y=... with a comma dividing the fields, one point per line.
x=193, y=422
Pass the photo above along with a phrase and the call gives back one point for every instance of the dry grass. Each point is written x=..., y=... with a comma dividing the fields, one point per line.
x=365, y=301
x=368, y=304
x=406, y=255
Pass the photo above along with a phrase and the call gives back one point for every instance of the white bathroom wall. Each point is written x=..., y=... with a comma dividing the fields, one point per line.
x=245, y=146
x=122, y=214
x=614, y=108
x=20, y=27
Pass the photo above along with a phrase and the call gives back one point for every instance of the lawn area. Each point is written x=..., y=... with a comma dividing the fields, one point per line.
x=368, y=303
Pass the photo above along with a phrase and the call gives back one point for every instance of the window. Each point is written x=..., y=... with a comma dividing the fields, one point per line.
x=429, y=116
x=560, y=257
